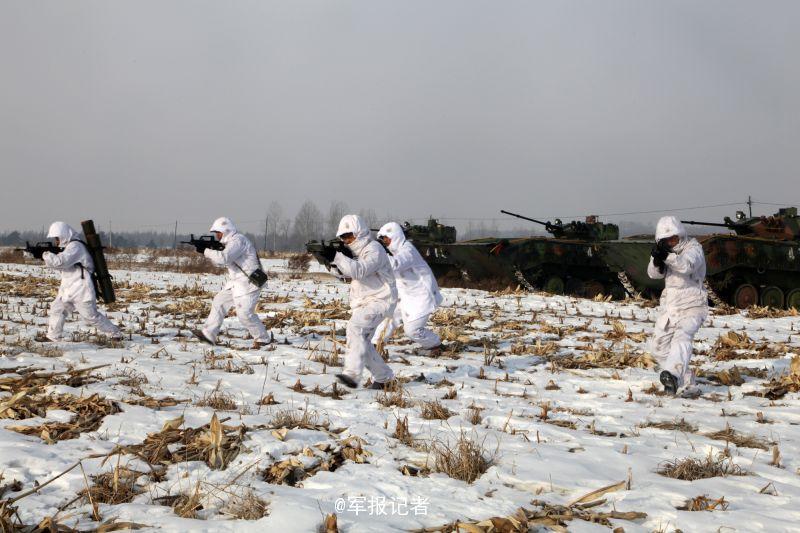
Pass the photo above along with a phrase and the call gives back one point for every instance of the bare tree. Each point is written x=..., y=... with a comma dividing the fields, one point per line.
x=370, y=218
x=307, y=223
x=284, y=227
x=335, y=213
x=274, y=219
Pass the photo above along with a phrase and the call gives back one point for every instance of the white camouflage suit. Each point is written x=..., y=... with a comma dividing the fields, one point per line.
x=373, y=297
x=240, y=257
x=417, y=291
x=76, y=292
x=684, y=302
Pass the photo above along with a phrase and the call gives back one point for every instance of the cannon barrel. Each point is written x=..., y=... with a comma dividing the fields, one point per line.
x=715, y=224
x=525, y=218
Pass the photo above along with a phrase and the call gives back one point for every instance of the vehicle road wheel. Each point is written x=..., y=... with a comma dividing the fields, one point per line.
x=554, y=285
x=574, y=287
x=592, y=289
x=772, y=296
x=793, y=299
x=745, y=296
x=617, y=292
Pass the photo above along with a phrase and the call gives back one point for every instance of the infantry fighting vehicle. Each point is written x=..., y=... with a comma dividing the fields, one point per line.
x=467, y=260
x=563, y=263
x=757, y=264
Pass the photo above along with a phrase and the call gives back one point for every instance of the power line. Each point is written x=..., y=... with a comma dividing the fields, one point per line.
x=652, y=211
x=782, y=204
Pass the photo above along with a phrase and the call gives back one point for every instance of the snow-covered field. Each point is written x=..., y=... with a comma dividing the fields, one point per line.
x=553, y=392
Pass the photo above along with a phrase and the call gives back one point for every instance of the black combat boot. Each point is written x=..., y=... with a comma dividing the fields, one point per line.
x=200, y=335
x=347, y=381
x=669, y=381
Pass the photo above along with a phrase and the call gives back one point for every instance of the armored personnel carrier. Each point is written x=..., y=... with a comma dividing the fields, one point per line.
x=757, y=264
x=466, y=260
x=564, y=263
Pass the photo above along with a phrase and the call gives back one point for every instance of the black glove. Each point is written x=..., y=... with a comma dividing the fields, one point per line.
x=659, y=255
x=200, y=247
x=328, y=253
x=343, y=249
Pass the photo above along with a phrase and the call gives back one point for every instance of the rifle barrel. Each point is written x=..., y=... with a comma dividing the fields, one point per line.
x=524, y=217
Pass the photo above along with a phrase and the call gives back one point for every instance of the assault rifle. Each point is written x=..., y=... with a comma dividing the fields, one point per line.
x=325, y=251
x=38, y=249
x=202, y=243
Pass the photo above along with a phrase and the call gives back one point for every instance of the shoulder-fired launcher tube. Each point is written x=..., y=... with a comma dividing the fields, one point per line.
x=104, y=285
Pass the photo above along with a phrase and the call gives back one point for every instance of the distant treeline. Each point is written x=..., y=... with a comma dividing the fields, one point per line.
x=283, y=233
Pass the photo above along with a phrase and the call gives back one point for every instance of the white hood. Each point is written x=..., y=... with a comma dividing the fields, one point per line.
x=395, y=233
x=669, y=227
x=63, y=231
x=685, y=273
x=369, y=269
x=73, y=263
x=225, y=226
x=355, y=224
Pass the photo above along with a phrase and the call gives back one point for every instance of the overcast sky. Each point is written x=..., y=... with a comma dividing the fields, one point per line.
x=144, y=112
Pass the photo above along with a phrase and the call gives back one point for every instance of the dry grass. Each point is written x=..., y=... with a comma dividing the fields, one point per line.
x=770, y=312
x=474, y=415
x=12, y=256
x=116, y=487
x=393, y=398
x=733, y=345
x=187, y=505
x=297, y=419
x=729, y=378
x=691, y=469
x=218, y=400
x=292, y=471
x=214, y=443
x=434, y=410
x=671, y=425
x=617, y=333
x=740, y=439
x=449, y=317
x=546, y=516
x=604, y=358
x=779, y=387
x=192, y=308
x=704, y=503
x=28, y=286
x=246, y=506
x=299, y=262
x=465, y=460
x=89, y=414
x=184, y=260
x=402, y=433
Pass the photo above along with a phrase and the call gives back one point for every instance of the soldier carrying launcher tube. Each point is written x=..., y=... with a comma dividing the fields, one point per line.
x=77, y=291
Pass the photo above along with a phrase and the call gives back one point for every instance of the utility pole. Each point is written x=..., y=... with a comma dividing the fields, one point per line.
x=110, y=236
x=175, y=237
x=750, y=205
x=266, y=227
